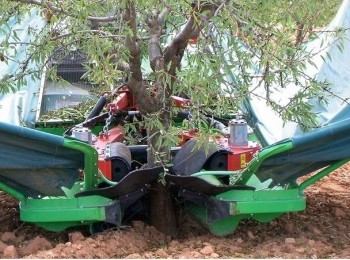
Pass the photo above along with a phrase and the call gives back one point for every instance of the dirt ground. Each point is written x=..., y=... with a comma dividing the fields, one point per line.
x=321, y=231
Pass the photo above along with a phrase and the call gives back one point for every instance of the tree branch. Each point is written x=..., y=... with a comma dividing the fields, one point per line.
x=201, y=14
x=155, y=31
x=129, y=19
x=102, y=34
x=57, y=9
x=134, y=82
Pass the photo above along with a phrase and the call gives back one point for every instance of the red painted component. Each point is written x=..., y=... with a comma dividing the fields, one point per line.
x=181, y=102
x=187, y=135
x=193, y=40
x=241, y=155
x=114, y=135
x=124, y=100
x=106, y=168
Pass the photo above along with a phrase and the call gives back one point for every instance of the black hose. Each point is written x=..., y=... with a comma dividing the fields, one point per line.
x=215, y=123
x=97, y=108
x=210, y=121
x=94, y=120
x=184, y=115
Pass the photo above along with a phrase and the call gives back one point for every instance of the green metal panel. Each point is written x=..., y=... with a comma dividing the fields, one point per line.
x=322, y=174
x=267, y=201
x=90, y=161
x=60, y=129
x=221, y=227
x=52, y=130
x=24, y=132
x=59, y=213
x=263, y=217
x=60, y=226
x=272, y=206
x=262, y=206
x=211, y=179
x=12, y=192
x=268, y=194
x=263, y=155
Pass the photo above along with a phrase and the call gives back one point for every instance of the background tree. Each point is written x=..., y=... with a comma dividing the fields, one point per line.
x=121, y=37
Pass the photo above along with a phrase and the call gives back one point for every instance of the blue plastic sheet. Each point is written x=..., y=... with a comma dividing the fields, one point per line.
x=19, y=108
x=267, y=124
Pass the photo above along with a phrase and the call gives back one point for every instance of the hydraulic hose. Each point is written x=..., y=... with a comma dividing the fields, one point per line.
x=98, y=107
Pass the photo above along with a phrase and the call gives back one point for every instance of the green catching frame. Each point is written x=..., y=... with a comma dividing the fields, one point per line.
x=263, y=204
x=59, y=213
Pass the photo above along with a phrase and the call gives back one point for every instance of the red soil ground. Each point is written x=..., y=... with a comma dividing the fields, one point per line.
x=321, y=231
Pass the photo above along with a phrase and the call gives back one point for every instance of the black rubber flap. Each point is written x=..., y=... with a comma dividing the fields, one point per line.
x=191, y=159
x=196, y=184
x=120, y=156
x=132, y=182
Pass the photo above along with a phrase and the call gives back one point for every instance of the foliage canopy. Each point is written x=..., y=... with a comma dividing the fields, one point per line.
x=144, y=44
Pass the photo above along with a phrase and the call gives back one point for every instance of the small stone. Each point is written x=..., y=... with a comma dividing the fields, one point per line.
x=50, y=254
x=10, y=252
x=196, y=254
x=317, y=231
x=290, y=248
x=264, y=254
x=214, y=255
x=311, y=242
x=299, y=250
x=240, y=240
x=133, y=256
x=8, y=237
x=138, y=226
x=148, y=255
x=2, y=246
x=174, y=243
x=289, y=240
x=77, y=246
x=21, y=238
x=289, y=228
x=339, y=213
x=207, y=250
x=34, y=245
x=161, y=253
x=68, y=243
x=250, y=235
x=75, y=236
x=101, y=254
x=273, y=223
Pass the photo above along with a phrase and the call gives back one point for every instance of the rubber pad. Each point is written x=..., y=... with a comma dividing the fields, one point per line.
x=132, y=182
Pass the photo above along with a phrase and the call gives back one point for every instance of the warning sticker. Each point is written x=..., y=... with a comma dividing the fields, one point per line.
x=243, y=160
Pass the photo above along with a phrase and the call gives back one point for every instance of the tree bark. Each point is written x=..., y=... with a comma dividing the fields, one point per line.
x=161, y=204
x=162, y=210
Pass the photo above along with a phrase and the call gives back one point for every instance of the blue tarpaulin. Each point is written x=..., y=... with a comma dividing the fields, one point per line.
x=328, y=63
x=19, y=107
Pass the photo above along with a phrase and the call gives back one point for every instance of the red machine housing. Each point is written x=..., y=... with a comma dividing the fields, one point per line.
x=124, y=102
x=114, y=135
x=241, y=155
